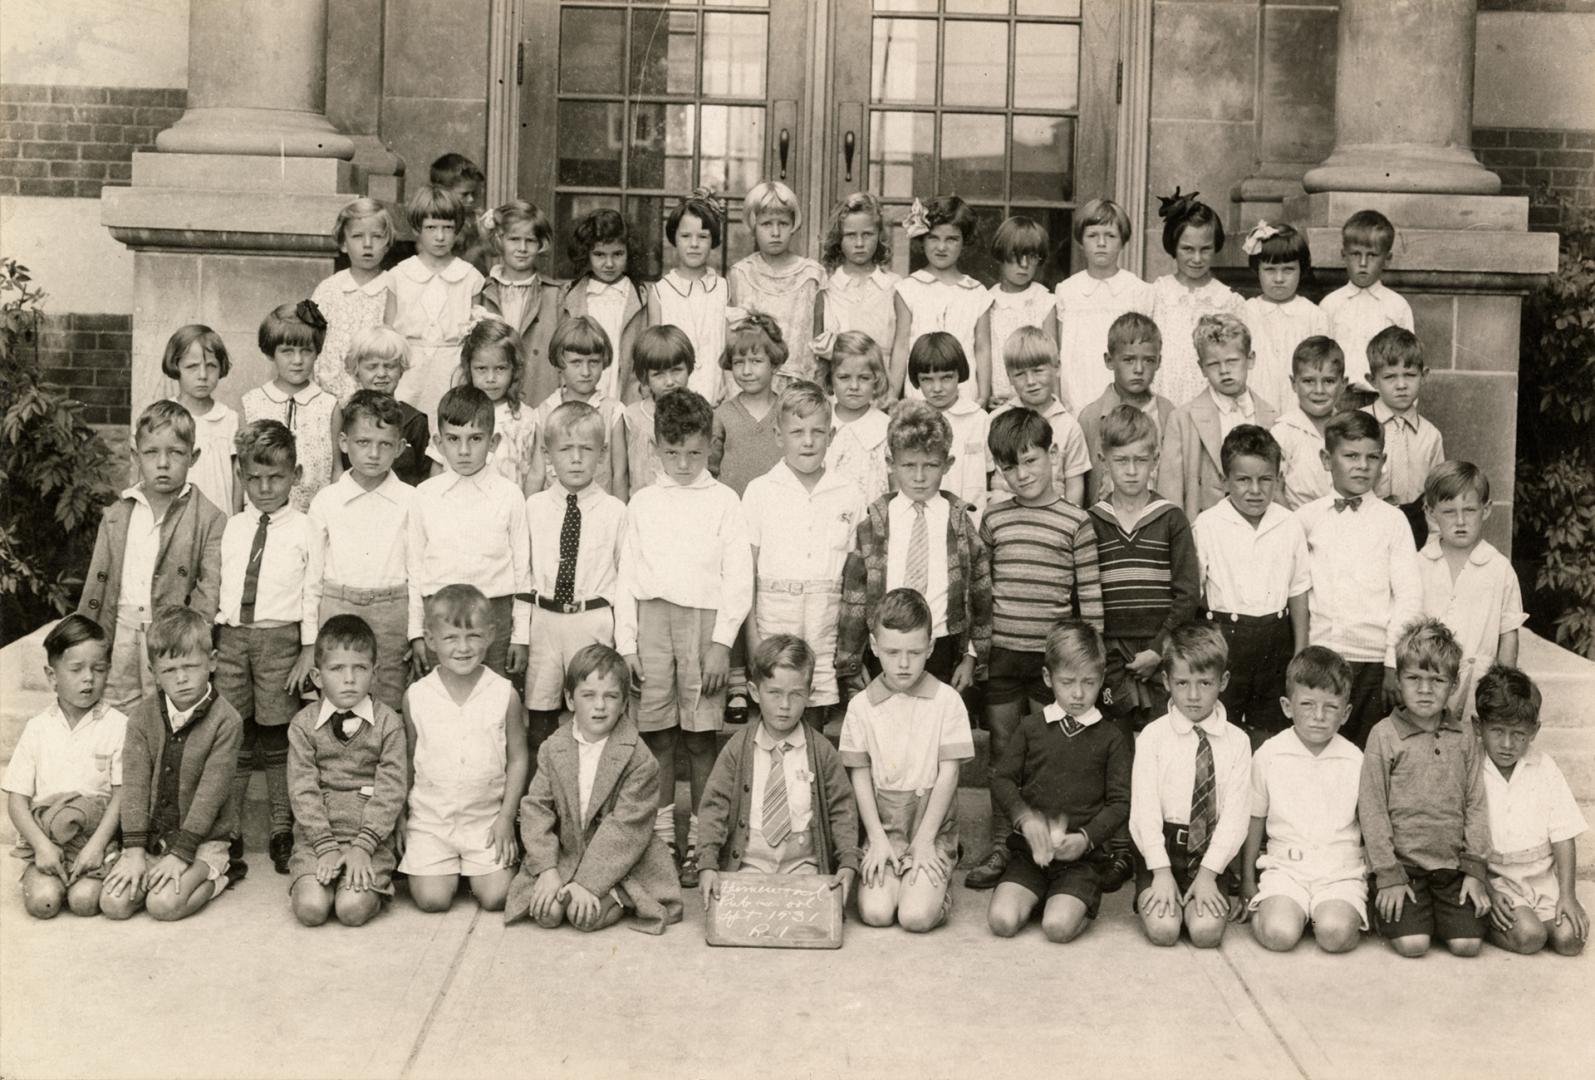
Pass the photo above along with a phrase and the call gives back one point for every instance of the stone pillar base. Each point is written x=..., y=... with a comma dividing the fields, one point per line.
x=1403, y=168
x=222, y=239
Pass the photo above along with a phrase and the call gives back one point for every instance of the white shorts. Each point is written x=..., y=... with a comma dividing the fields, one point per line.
x=556, y=637
x=462, y=845
x=1531, y=885
x=1309, y=894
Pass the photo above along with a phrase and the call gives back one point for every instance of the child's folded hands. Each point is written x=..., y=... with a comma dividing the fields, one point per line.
x=1204, y=893
x=1036, y=833
x=924, y=858
x=329, y=865
x=582, y=906
x=545, y=893
x=358, y=875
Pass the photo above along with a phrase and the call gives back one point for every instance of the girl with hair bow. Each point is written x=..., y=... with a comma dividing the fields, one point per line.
x=692, y=297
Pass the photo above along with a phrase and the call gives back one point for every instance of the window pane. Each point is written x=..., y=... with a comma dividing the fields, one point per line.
x=903, y=61
x=663, y=52
x=902, y=154
x=905, y=5
x=971, y=156
x=731, y=148
x=1047, y=66
x=591, y=135
x=592, y=51
x=1059, y=222
x=646, y=216
x=1066, y=8
x=977, y=260
x=978, y=7
x=661, y=147
x=975, y=64
x=735, y=48
x=569, y=209
x=1043, y=157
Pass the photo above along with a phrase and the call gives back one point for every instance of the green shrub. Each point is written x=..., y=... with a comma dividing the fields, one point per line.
x=55, y=473
x=1554, y=526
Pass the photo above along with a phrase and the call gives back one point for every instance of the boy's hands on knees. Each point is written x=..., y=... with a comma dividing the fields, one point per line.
x=1502, y=917
x=1474, y=892
x=1248, y=894
x=47, y=860
x=1239, y=911
x=716, y=667
x=301, y=669
x=1568, y=909
x=328, y=866
x=1204, y=894
x=169, y=869
x=515, y=660
x=964, y=674
x=1034, y=829
x=634, y=662
x=1144, y=664
x=1391, y=689
x=709, y=885
x=923, y=858
x=421, y=659
x=128, y=873
x=545, y=893
x=1162, y=897
x=878, y=862
x=1392, y=900
x=503, y=839
x=583, y=905
x=358, y=875
x=844, y=881
x=91, y=858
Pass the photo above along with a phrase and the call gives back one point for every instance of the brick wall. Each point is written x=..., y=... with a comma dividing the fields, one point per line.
x=91, y=358
x=1555, y=169
x=69, y=141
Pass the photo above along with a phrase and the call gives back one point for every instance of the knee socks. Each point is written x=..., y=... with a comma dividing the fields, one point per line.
x=665, y=825
x=266, y=747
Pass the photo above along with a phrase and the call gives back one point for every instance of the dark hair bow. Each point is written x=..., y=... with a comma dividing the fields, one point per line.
x=309, y=313
x=761, y=321
x=707, y=196
x=1175, y=205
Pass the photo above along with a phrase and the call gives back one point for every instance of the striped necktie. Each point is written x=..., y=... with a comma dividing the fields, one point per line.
x=1204, y=806
x=916, y=571
x=257, y=553
x=777, y=823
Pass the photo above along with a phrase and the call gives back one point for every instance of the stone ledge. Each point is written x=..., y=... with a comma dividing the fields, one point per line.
x=1503, y=213
x=239, y=172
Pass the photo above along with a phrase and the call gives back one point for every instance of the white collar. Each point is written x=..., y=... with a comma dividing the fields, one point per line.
x=349, y=488
x=879, y=276
x=497, y=272
x=345, y=282
x=454, y=271
x=1007, y=300
x=97, y=712
x=363, y=708
x=1122, y=279
x=1275, y=516
x=218, y=414
x=1483, y=552
x=481, y=479
x=600, y=288
x=1532, y=758
x=1384, y=414
x=179, y=718
x=1300, y=421
x=964, y=407
x=1377, y=290
x=1054, y=714
x=700, y=482
x=281, y=513
x=591, y=744
x=904, y=505
x=302, y=396
x=1242, y=405
x=136, y=493
x=1156, y=503
x=794, y=739
x=1338, y=747
x=925, y=276
x=1216, y=724
x=683, y=285
x=585, y=497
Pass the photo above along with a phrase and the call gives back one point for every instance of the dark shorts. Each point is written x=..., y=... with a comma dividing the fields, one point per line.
x=1081, y=879
x=1438, y=910
x=1260, y=648
x=1184, y=863
x=1016, y=676
x=1367, y=701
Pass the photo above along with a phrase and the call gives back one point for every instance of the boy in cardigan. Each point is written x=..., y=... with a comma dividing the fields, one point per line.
x=924, y=539
x=779, y=800
x=348, y=772
x=587, y=820
x=1064, y=780
x=1413, y=446
x=159, y=544
x=1135, y=351
x=1191, y=473
x=177, y=780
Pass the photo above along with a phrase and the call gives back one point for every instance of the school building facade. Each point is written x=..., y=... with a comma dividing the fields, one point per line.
x=174, y=161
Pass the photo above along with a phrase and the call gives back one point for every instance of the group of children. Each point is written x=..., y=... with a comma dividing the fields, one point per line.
x=1210, y=655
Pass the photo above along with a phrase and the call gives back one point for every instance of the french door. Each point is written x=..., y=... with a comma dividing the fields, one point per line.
x=631, y=103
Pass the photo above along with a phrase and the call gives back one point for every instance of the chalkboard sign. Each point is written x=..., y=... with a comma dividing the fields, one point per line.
x=776, y=911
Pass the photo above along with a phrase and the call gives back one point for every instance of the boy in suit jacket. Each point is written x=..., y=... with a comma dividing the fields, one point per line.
x=587, y=820
x=159, y=545
x=1191, y=474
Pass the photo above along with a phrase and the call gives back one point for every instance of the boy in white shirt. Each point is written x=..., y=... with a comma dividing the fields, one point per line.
x=467, y=526
x=270, y=600
x=801, y=521
x=1255, y=581
x=361, y=521
x=64, y=782
x=685, y=585
x=1318, y=376
x=1413, y=446
x=1364, y=305
x=1364, y=569
x=1189, y=797
x=575, y=529
x=1031, y=360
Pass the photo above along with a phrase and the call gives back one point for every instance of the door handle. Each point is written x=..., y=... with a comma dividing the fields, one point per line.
x=849, y=147
x=783, y=148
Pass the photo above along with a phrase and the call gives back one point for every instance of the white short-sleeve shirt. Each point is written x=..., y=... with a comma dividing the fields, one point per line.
x=801, y=534
x=1309, y=800
x=1533, y=808
x=904, y=737
x=1250, y=570
x=54, y=758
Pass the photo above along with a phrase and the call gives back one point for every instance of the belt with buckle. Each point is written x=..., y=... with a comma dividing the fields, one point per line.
x=800, y=587
x=574, y=608
x=1230, y=616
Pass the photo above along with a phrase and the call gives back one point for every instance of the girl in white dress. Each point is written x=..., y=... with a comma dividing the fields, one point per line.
x=359, y=296
x=1280, y=319
x=858, y=435
x=197, y=358
x=1020, y=247
x=777, y=281
x=291, y=337
x=491, y=361
x=1089, y=301
x=692, y=296
x=942, y=297
x=860, y=293
x=1193, y=235
x=432, y=292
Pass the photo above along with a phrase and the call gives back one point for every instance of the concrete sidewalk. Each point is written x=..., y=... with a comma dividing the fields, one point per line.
x=244, y=991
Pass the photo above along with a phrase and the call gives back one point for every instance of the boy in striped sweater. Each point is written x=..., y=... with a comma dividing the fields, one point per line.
x=1043, y=569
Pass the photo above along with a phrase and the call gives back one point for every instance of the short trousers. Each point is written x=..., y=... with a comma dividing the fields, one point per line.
x=1438, y=910
x=131, y=679
x=1184, y=863
x=556, y=638
x=459, y=847
x=901, y=812
x=345, y=811
x=1530, y=884
x=1081, y=879
x=1367, y=701
x=1016, y=676
x=252, y=666
x=386, y=611
x=1309, y=893
x=671, y=643
x=1260, y=648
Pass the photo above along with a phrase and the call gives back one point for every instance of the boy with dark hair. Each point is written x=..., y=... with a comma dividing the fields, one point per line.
x=463, y=178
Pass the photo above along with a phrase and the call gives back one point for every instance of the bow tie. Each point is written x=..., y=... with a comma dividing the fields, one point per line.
x=1348, y=504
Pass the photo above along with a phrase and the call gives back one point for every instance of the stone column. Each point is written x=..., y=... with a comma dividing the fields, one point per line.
x=354, y=92
x=233, y=215
x=1404, y=100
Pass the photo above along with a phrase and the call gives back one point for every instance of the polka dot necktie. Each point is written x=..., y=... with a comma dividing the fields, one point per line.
x=570, y=535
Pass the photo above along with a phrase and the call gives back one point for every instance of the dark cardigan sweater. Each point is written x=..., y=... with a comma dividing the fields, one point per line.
x=205, y=803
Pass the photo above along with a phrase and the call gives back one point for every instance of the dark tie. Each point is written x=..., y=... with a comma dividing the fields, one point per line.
x=1071, y=726
x=348, y=722
x=777, y=823
x=257, y=550
x=570, y=535
x=1204, y=808
x=1348, y=504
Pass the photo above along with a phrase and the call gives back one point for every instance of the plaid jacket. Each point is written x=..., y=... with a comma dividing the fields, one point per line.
x=968, y=584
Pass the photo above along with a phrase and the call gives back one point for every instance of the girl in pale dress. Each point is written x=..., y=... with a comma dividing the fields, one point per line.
x=581, y=352
x=858, y=439
x=1280, y=319
x=432, y=292
x=692, y=296
x=291, y=337
x=196, y=357
x=358, y=297
x=777, y=281
x=942, y=297
x=491, y=361
x=662, y=361
x=1088, y=302
x=605, y=291
x=1193, y=235
x=1020, y=247
x=860, y=293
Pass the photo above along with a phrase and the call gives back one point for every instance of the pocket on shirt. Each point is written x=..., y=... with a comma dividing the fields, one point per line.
x=102, y=764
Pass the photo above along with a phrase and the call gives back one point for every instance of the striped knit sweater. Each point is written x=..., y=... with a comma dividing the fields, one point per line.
x=1043, y=568
x=1151, y=581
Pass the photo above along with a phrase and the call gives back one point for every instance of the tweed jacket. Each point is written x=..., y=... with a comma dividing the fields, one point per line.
x=615, y=846
x=633, y=321
x=206, y=803
x=1189, y=473
x=723, y=812
x=1091, y=418
x=187, y=569
x=536, y=329
x=968, y=584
